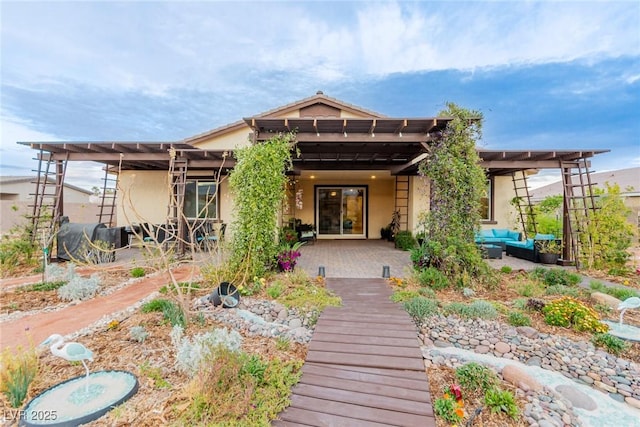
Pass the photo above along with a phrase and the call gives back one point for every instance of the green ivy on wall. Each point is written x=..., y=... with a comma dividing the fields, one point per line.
x=258, y=185
x=458, y=183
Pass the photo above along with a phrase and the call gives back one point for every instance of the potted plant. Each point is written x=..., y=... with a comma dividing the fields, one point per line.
x=549, y=250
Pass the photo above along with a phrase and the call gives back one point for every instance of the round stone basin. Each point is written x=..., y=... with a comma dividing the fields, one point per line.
x=78, y=401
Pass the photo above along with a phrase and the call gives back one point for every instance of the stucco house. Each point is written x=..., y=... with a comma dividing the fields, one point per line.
x=355, y=168
x=17, y=197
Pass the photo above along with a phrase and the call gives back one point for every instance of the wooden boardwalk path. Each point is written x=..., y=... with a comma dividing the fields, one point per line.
x=364, y=366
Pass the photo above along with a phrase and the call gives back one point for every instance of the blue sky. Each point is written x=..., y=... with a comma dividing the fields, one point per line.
x=545, y=74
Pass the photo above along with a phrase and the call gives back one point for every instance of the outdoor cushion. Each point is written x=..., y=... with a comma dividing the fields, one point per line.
x=486, y=233
x=500, y=232
x=527, y=244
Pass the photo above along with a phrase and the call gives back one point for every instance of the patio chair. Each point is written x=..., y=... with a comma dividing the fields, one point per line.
x=210, y=234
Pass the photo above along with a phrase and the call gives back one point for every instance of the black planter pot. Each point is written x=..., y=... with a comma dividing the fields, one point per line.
x=548, y=258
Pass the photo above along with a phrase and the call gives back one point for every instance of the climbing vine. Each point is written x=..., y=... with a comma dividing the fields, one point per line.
x=458, y=183
x=258, y=184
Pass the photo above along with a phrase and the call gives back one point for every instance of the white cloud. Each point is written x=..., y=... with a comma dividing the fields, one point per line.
x=153, y=47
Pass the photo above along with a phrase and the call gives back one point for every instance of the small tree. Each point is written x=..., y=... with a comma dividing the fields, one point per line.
x=457, y=185
x=258, y=182
x=605, y=242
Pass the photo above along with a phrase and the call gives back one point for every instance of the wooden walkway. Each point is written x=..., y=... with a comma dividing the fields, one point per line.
x=364, y=366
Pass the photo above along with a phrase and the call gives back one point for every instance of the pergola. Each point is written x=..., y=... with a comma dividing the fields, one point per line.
x=326, y=143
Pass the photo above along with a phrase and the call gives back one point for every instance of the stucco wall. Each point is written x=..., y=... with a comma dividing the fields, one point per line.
x=143, y=196
x=504, y=213
x=228, y=141
x=12, y=213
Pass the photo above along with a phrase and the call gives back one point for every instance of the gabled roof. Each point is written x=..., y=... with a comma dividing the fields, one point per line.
x=318, y=98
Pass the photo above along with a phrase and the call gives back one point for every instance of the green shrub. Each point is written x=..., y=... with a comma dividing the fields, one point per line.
x=138, y=272
x=501, y=401
x=433, y=278
x=621, y=293
x=275, y=290
x=171, y=311
x=420, y=307
x=596, y=286
x=42, y=287
x=447, y=409
x=404, y=240
x=567, y=312
x=403, y=295
x=612, y=343
x=506, y=269
x=474, y=376
x=517, y=318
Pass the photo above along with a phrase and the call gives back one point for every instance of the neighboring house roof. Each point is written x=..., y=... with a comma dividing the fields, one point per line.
x=628, y=180
x=31, y=180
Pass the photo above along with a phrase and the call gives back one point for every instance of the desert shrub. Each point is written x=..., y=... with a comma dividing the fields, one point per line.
x=517, y=318
x=404, y=295
x=17, y=251
x=171, y=311
x=529, y=289
x=433, y=278
x=501, y=401
x=427, y=292
x=612, y=343
x=568, y=312
x=138, y=272
x=190, y=353
x=304, y=294
x=138, y=333
x=477, y=309
x=474, y=376
x=468, y=292
x=421, y=307
x=506, y=269
x=520, y=303
x=563, y=290
x=80, y=288
x=18, y=369
x=404, y=240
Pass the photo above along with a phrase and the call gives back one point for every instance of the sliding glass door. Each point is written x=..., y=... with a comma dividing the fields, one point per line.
x=340, y=212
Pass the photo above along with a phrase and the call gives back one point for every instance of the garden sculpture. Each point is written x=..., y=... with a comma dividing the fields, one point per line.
x=71, y=351
x=633, y=302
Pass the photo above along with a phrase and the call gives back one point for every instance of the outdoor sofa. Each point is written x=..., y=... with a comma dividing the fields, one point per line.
x=528, y=249
x=497, y=237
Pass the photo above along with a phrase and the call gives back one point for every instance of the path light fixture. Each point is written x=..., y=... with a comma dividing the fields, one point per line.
x=321, y=271
x=386, y=273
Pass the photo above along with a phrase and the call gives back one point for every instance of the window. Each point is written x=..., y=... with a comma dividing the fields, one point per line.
x=486, y=211
x=200, y=200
